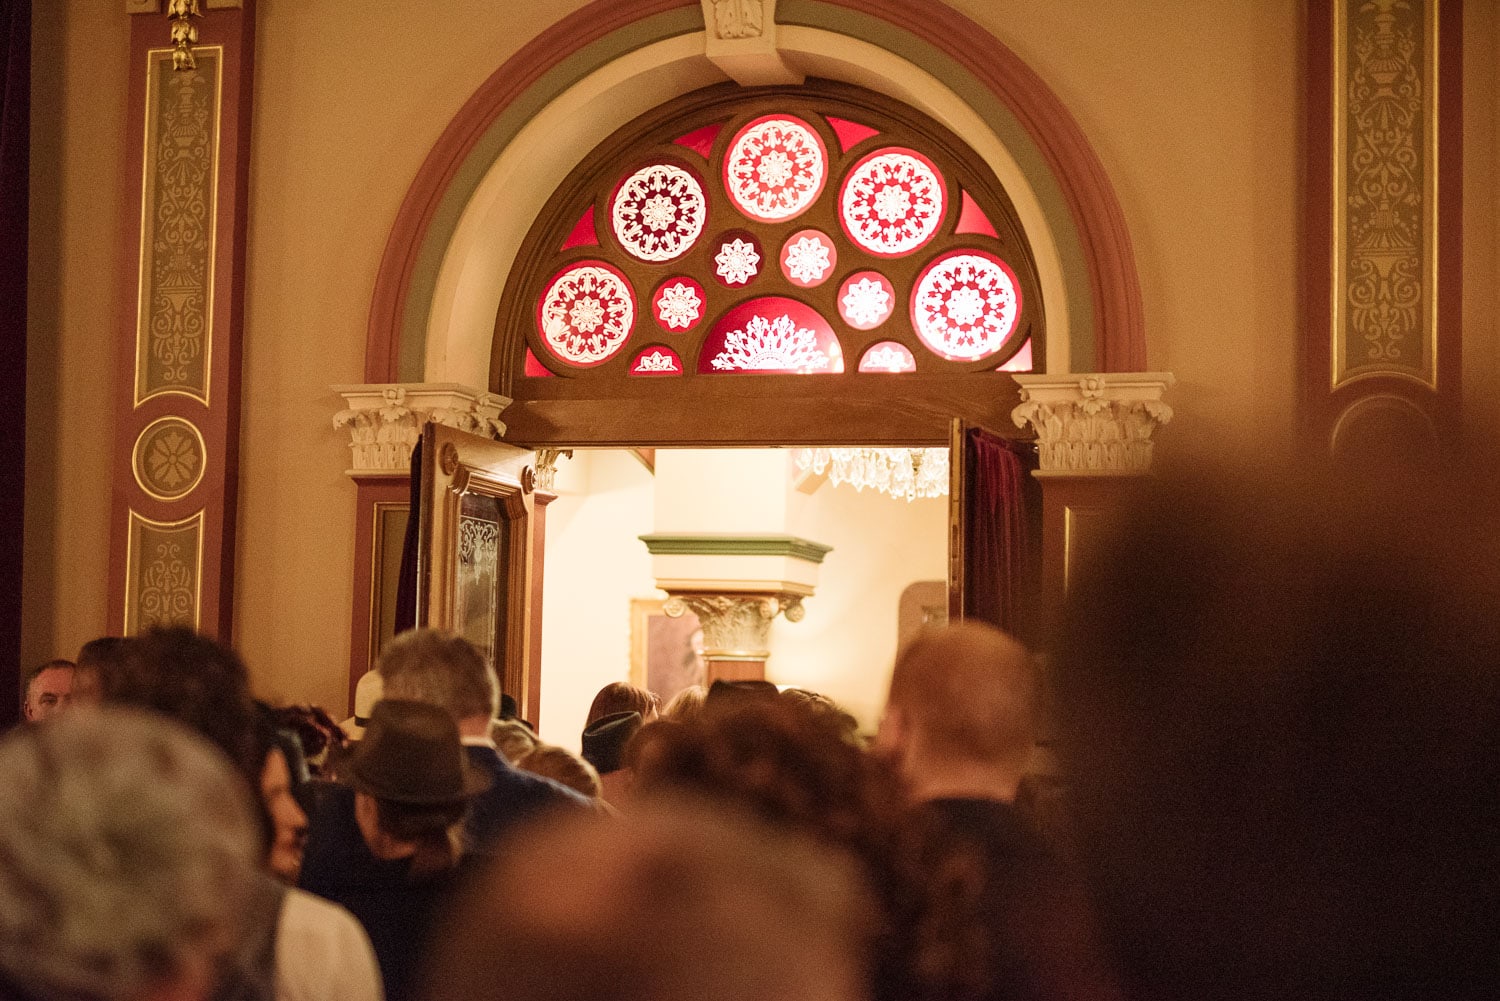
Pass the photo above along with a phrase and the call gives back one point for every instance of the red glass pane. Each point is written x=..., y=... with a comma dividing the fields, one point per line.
x=892, y=202
x=775, y=168
x=739, y=258
x=866, y=300
x=658, y=359
x=658, y=212
x=586, y=313
x=965, y=304
x=808, y=258
x=771, y=334
x=583, y=234
x=700, y=141
x=1020, y=361
x=971, y=218
x=888, y=356
x=678, y=304
x=850, y=134
x=534, y=368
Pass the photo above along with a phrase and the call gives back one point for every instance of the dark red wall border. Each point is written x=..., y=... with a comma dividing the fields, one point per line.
x=1119, y=323
x=1322, y=407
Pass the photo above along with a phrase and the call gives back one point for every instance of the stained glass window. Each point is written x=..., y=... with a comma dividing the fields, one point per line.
x=771, y=234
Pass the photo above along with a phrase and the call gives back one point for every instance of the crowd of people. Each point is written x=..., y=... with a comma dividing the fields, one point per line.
x=1260, y=759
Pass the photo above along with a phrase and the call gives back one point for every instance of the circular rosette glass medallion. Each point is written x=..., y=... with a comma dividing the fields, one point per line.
x=678, y=304
x=808, y=257
x=892, y=202
x=965, y=305
x=866, y=300
x=776, y=168
x=888, y=356
x=771, y=334
x=658, y=212
x=586, y=313
x=739, y=258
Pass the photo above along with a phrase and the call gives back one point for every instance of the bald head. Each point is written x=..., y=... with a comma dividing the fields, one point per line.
x=965, y=693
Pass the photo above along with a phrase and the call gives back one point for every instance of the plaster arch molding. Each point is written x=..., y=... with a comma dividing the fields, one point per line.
x=477, y=194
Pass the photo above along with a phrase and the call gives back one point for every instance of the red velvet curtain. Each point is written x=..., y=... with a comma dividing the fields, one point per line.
x=1002, y=533
x=15, y=173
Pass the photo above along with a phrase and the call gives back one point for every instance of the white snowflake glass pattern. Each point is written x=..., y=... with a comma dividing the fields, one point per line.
x=586, y=313
x=771, y=334
x=738, y=260
x=866, y=300
x=965, y=305
x=808, y=258
x=656, y=360
x=888, y=356
x=775, y=168
x=678, y=304
x=658, y=212
x=892, y=202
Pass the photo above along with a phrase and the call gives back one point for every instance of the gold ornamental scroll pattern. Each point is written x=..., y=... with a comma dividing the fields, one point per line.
x=163, y=573
x=179, y=195
x=1385, y=190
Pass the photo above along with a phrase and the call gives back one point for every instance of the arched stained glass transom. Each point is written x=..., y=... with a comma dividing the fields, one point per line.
x=772, y=234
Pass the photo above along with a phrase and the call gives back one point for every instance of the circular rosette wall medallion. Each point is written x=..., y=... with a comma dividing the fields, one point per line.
x=586, y=313
x=168, y=458
x=776, y=167
x=658, y=212
x=892, y=202
x=965, y=305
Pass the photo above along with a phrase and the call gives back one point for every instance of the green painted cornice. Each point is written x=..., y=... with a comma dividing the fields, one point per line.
x=724, y=544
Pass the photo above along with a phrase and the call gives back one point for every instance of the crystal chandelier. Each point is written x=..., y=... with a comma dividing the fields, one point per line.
x=900, y=472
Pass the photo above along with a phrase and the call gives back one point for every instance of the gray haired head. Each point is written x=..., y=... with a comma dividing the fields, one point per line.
x=127, y=853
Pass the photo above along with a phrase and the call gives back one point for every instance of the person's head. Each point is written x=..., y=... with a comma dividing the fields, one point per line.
x=686, y=704
x=412, y=785
x=282, y=777
x=673, y=903
x=96, y=657
x=203, y=685
x=561, y=765
x=49, y=689
x=443, y=670
x=962, y=695
x=513, y=739
x=605, y=738
x=1277, y=704
x=621, y=697
x=129, y=850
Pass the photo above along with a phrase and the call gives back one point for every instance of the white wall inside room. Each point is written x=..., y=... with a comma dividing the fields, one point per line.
x=596, y=564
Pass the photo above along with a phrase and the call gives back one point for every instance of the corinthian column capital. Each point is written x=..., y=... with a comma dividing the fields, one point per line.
x=385, y=420
x=1094, y=423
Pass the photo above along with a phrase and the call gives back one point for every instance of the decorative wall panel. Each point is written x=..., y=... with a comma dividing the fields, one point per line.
x=1385, y=190
x=174, y=321
x=1382, y=261
x=164, y=573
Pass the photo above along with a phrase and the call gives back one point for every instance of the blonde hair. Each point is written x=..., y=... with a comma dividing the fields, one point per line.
x=562, y=765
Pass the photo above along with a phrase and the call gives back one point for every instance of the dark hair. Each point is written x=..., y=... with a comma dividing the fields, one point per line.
x=102, y=653
x=434, y=830
x=622, y=697
x=793, y=766
x=203, y=685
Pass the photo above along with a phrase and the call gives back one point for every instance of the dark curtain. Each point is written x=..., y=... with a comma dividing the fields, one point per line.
x=15, y=168
x=1002, y=533
x=406, y=587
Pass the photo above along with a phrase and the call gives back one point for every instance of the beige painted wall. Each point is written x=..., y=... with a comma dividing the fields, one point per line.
x=1193, y=110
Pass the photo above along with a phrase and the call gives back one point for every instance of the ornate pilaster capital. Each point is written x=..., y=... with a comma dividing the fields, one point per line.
x=385, y=420
x=736, y=626
x=546, y=466
x=1099, y=424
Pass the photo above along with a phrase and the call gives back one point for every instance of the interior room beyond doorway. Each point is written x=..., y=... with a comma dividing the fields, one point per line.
x=885, y=571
